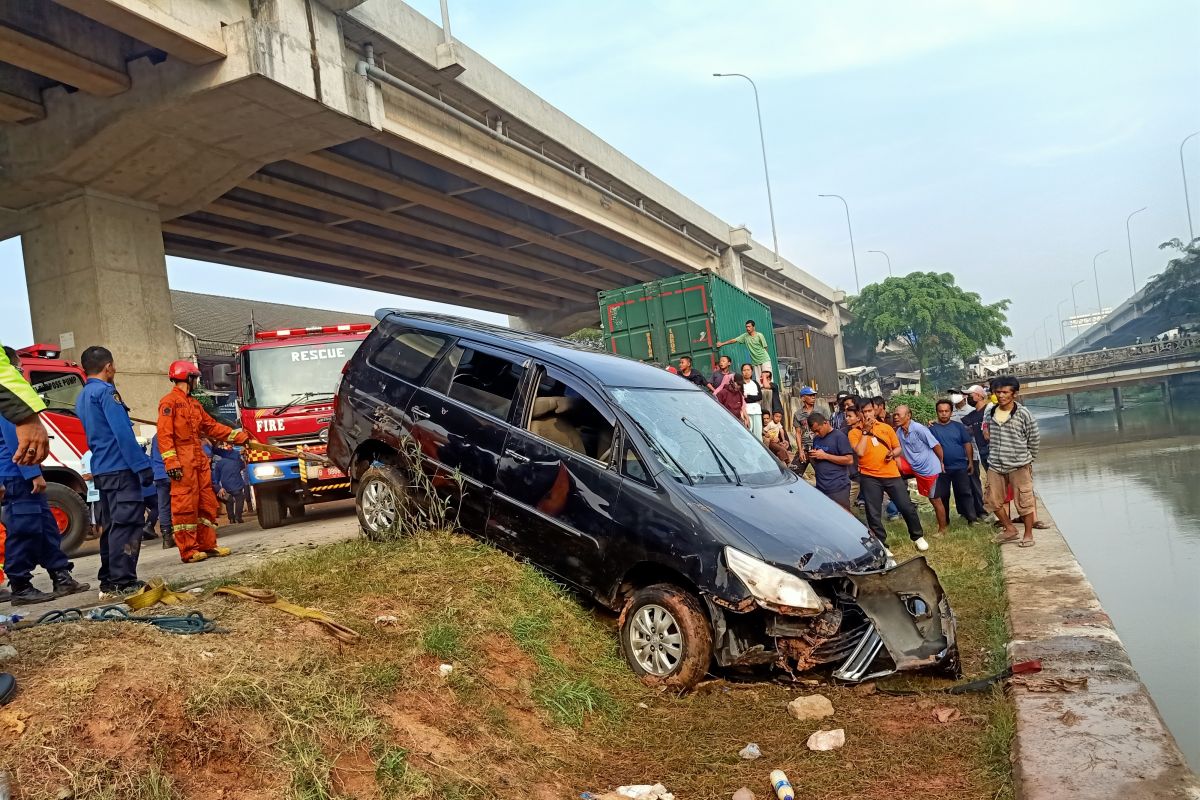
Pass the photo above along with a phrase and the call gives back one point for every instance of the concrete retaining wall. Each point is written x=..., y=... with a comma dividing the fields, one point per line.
x=1103, y=741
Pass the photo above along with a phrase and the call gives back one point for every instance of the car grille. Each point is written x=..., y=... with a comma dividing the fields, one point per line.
x=858, y=665
x=296, y=440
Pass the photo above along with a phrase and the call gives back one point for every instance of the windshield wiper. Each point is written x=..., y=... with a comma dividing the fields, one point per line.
x=721, y=459
x=663, y=451
x=299, y=398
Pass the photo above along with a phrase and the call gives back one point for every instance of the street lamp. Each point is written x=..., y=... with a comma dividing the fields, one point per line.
x=885, y=255
x=1046, y=331
x=762, y=140
x=1129, y=242
x=1096, y=277
x=1074, y=303
x=1187, y=200
x=1062, y=336
x=853, y=256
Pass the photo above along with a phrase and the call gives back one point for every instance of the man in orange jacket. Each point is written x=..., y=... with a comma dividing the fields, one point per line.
x=182, y=422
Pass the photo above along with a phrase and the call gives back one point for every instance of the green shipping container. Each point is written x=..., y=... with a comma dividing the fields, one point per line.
x=683, y=315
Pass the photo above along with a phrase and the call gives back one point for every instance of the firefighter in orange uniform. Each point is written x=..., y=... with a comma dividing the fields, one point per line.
x=182, y=422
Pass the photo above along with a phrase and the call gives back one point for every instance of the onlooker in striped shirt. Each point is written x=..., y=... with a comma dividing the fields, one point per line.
x=1013, y=443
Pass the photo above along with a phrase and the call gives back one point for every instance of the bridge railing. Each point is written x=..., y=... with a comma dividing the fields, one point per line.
x=1099, y=359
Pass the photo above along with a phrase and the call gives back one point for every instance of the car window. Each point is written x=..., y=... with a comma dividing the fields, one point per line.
x=408, y=354
x=482, y=380
x=563, y=415
x=631, y=465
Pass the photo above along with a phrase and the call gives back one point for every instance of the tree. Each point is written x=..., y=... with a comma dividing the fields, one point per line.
x=938, y=321
x=1175, y=292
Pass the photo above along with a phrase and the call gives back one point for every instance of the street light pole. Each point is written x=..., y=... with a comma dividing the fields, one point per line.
x=1062, y=336
x=1096, y=278
x=1187, y=200
x=885, y=255
x=762, y=140
x=853, y=256
x=1129, y=242
x=1046, y=330
x=1074, y=303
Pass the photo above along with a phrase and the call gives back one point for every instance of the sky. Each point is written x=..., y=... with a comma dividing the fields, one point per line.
x=1004, y=142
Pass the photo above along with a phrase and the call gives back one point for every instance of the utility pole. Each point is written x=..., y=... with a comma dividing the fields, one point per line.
x=853, y=256
x=1129, y=242
x=1096, y=277
x=762, y=140
x=885, y=255
x=1186, y=199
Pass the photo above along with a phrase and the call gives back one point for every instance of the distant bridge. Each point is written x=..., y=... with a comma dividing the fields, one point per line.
x=1109, y=369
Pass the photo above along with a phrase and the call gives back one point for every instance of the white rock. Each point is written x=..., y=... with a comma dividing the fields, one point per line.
x=743, y=794
x=7, y=652
x=750, y=752
x=827, y=740
x=445, y=669
x=812, y=706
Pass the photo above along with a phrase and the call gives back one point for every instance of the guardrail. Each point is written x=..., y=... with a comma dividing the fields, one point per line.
x=1096, y=360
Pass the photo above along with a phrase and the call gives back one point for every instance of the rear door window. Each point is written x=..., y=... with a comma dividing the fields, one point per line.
x=407, y=354
x=483, y=380
x=562, y=414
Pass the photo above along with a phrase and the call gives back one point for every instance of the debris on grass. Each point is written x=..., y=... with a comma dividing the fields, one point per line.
x=945, y=714
x=827, y=740
x=445, y=670
x=644, y=791
x=387, y=619
x=812, y=706
x=743, y=794
x=750, y=752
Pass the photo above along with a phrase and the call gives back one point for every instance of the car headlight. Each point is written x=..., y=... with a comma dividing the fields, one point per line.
x=264, y=471
x=771, y=586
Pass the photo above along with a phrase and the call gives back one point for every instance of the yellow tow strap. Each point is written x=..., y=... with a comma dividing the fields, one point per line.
x=272, y=600
x=156, y=591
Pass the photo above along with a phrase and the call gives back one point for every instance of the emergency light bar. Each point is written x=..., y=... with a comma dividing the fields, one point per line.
x=312, y=330
x=39, y=351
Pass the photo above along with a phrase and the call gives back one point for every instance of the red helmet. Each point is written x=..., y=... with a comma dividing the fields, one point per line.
x=182, y=370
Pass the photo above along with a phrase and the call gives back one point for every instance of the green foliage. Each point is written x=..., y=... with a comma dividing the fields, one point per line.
x=1176, y=290
x=938, y=320
x=592, y=337
x=922, y=406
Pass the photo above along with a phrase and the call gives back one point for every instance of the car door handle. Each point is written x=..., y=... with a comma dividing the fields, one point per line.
x=517, y=457
x=417, y=411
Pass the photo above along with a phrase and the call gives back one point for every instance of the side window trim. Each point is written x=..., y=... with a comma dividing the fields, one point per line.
x=518, y=359
x=372, y=358
x=627, y=444
x=534, y=374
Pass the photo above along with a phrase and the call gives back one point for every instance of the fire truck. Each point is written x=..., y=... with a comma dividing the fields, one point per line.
x=286, y=382
x=59, y=382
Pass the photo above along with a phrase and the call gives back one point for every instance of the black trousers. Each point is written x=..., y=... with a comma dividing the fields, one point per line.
x=871, y=489
x=163, y=486
x=122, y=513
x=964, y=494
x=33, y=539
x=234, y=502
x=977, y=492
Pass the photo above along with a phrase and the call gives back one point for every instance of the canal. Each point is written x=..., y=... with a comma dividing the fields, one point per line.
x=1126, y=494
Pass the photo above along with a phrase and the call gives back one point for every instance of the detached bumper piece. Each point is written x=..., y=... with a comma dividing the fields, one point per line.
x=912, y=626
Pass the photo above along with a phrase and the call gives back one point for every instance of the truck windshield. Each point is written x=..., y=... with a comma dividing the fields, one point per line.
x=301, y=373
x=58, y=389
x=696, y=439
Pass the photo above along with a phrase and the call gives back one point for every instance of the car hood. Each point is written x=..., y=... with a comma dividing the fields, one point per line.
x=794, y=526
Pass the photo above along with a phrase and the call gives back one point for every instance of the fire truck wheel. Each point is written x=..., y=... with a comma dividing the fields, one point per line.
x=71, y=514
x=270, y=508
x=295, y=508
x=380, y=499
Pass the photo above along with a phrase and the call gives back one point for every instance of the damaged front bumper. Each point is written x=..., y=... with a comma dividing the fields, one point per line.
x=874, y=623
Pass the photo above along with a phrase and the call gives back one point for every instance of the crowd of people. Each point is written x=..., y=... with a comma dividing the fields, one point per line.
x=978, y=450
x=129, y=490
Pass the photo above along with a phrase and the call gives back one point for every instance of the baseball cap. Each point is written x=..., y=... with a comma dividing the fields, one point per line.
x=975, y=387
x=806, y=391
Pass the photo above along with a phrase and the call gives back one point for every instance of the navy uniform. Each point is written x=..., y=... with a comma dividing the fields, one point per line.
x=120, y=470
x=33, y=539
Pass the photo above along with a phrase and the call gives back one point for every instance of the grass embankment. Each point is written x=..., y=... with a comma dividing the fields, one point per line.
x=539, y=704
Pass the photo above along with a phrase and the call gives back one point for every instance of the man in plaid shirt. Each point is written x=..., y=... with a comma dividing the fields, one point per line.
x=1013, y=443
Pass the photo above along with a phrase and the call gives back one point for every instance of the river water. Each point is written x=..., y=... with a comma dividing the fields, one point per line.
x=1126, y=494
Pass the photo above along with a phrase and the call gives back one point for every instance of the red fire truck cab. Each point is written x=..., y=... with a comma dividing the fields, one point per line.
x=287, y=380
x=59, y=382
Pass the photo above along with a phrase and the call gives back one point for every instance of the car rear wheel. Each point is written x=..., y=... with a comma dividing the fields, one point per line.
x=380, y=500
x=666, y=635
x=71, y=514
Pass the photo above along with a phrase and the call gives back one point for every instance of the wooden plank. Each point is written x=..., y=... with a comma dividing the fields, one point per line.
x=155, y=27
x=390, y=183
x=18, y=109
x=316, y=273
x=48, y=59
x=308, y=227
x=352, y=209
x=215, y=233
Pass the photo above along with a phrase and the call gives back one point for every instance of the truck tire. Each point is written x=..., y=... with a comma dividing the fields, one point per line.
x=381, y=499
x=295, y=508
x=71, y=513
x=270, y=508
x=666, y=636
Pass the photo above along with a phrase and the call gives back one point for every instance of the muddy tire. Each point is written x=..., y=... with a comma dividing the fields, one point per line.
x=380, y=499
x=71, y=514
x=666, y=636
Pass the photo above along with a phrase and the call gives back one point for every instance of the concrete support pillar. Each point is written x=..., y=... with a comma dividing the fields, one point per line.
x=1070, y=405
x=559, y=321
x=96, y=270
x=1166, y=391
x=731, y=268
x=1117, y=398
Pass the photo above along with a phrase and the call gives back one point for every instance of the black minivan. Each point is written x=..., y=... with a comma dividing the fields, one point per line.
x=634, y=487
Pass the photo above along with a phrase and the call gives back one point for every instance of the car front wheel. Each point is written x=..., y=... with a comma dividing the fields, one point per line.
x=665, y=635
x=380, y=499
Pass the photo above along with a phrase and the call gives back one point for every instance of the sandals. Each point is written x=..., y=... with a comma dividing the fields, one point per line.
x=1007, y=538
x=1026, y=543
x=1041, y=526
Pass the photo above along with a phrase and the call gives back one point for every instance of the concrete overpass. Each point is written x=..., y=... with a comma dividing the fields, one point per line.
x=1133, y=319
x=348, y=141
x=1160, y=362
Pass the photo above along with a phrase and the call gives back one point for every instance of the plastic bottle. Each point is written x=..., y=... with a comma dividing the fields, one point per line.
x=782, y=786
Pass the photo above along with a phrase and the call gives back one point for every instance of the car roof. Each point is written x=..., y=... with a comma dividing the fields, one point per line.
x=611, y=371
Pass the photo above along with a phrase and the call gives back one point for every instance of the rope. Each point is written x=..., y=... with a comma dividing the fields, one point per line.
x=188, y=624
x=272, y=600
